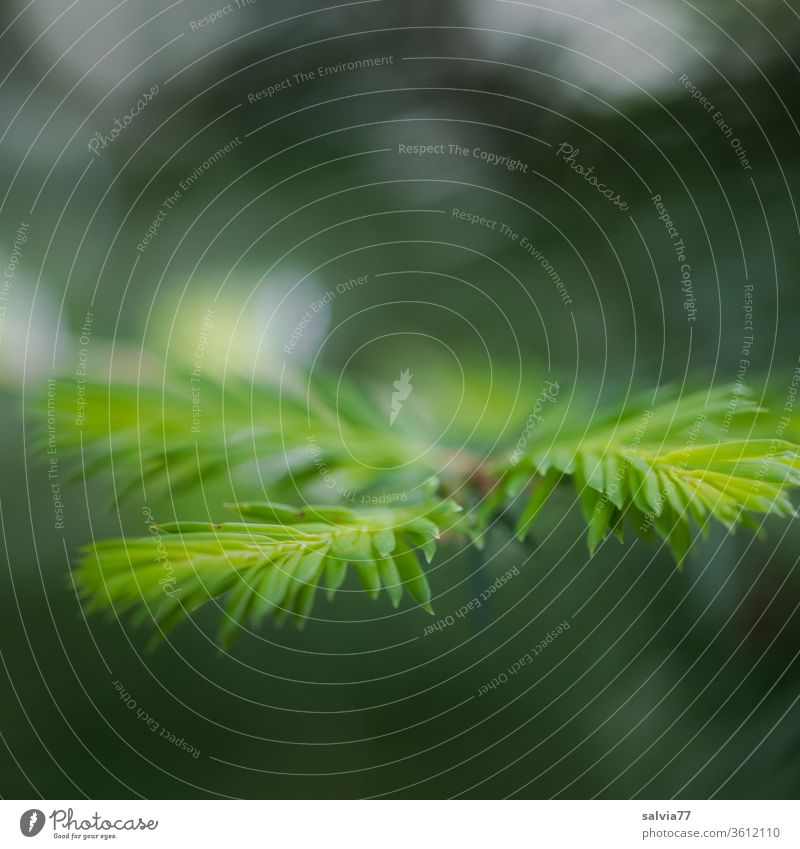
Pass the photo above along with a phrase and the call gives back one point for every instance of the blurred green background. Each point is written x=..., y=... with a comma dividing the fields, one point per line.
x=668, y=683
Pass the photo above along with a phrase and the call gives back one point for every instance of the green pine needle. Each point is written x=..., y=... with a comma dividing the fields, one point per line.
x=660, y=467
x=269, y=565
x=663, y=470
x=184, y=431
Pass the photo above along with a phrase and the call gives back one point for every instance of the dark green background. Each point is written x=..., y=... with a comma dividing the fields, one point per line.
x=667, y=683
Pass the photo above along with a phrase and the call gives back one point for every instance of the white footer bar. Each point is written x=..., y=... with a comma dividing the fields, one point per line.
x=402, y=824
